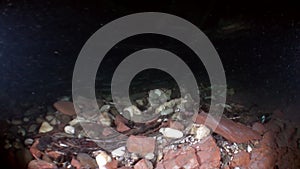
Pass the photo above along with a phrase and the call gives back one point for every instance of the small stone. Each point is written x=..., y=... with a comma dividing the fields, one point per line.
x=143, y=164
x=7, y=146
x=26, y=119
x=249, y=149
x=32, y=128
x=69, y=129
x=104, y=119
x=28, y=141
x=104, y=108
x=39, y=120
x=65, y=107
x=200, y=131
x=118, y=152
x=166, y=112
x=86, y=161
x=149, y=156
x=102, y=159
x=140, y=144
x=53, y=122
x=171, y=133
x=49, y=117
x=16, y=122
x=45, y=127
x=21, y=131
x=40, y=164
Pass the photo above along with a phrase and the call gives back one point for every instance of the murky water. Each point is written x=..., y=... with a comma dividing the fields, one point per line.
x=39, y=44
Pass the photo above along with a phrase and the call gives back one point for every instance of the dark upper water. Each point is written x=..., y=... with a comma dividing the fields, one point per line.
x=259, y=45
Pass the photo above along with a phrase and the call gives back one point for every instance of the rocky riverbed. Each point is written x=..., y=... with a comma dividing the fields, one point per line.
x=62, y=138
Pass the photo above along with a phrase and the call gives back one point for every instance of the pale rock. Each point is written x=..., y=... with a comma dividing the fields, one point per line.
x=45, y=127
x=39, y=120
x=49, y=117
x=102, y=159
x=28, y=141
x=21, y=131
x=104, y=108
x=199, y=131
x=54, y=122
x=26, y=119
x=105, y=119
x=69, y=130
x=32, y=128
x=149, y=156
x=133, y=110
x=118, y=152
x=16, y=122
x=171, y=133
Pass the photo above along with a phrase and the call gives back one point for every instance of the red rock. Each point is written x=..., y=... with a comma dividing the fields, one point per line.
x=140, y=144
x=182, y=158
x=263, y=157
x=86, y=161
x=208, y=153
x=259, y=128
x=176, y=125
x=75, y=163
x=112, y=165
x=143, y=164
x=159, y=166
x=121, y=127
x=241, y=159
x=234, y=132
x=54, y=154
x=40, y=164
x=36, y=153
x=65, y=107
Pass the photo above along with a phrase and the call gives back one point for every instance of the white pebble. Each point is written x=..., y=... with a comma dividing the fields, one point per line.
x=149, y=156
x=69, y=130
x=118, y=152
x=28, y=141
x=200, y=131
x=171, y=133
x=102, y=159
x=26, y=119
x=45, y=127
x=249, y=148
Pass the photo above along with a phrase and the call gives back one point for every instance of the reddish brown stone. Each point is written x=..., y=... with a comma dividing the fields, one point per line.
x=36, y=153
x=208, y=153
x=263, y=157
x=40, y=164
x=176, y=125
x=143, y=164
x=241, y=159
x=234, y=132
x=112, y=165
x=159, y=166
x=65, y=107
x=183, y=158
x=75, y=163
x=140, y=144
x=86, y=161
x=121, y=127
x=259, y=128
x=54, y=154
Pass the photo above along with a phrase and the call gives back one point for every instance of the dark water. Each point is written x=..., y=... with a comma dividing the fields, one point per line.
x=40, y=41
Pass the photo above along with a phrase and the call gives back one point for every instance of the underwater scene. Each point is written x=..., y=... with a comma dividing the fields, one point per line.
x=171, y=84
